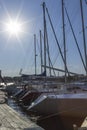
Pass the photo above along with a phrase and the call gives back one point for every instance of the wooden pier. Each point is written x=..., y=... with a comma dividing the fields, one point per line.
x=83, y=126
x=2, y=97
x=11, y=120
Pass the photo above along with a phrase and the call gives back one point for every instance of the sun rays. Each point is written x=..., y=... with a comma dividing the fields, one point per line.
x=13, y=27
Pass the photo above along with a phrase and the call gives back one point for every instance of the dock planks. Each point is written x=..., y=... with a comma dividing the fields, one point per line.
x=2, y=97
x=11, y=120
x=84, y=125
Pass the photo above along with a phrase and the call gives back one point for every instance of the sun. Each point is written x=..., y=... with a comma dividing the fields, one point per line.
x=13, y=27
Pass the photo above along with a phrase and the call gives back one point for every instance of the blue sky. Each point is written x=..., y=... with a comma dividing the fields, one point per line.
x=16, y=54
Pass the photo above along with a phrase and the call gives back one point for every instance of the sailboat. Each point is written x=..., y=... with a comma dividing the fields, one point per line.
x=66, y=104
x=74, y=104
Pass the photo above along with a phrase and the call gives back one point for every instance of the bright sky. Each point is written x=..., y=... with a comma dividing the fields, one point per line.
x=17, y=52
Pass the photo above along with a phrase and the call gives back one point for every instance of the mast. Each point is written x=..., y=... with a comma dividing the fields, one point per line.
x=35, y=52
x=75, y=39
x=86, y=1
x=44, y=21
x=83, y=31
x=56, y=40
x=41, y=51
x=64, y=40
x=48, y=52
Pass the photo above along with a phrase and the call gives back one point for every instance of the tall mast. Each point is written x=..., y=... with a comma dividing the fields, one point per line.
x=83, y=31
x=56, y=40
x=35, y=52
x=75, y=40
x=64, y=41
x=48, y=52
x=44, y=21
x=41, y=51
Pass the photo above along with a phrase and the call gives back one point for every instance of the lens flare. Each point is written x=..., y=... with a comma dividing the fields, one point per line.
x=13, y=27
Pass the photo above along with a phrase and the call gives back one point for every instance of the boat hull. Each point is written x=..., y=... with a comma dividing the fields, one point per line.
x=58, y=106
